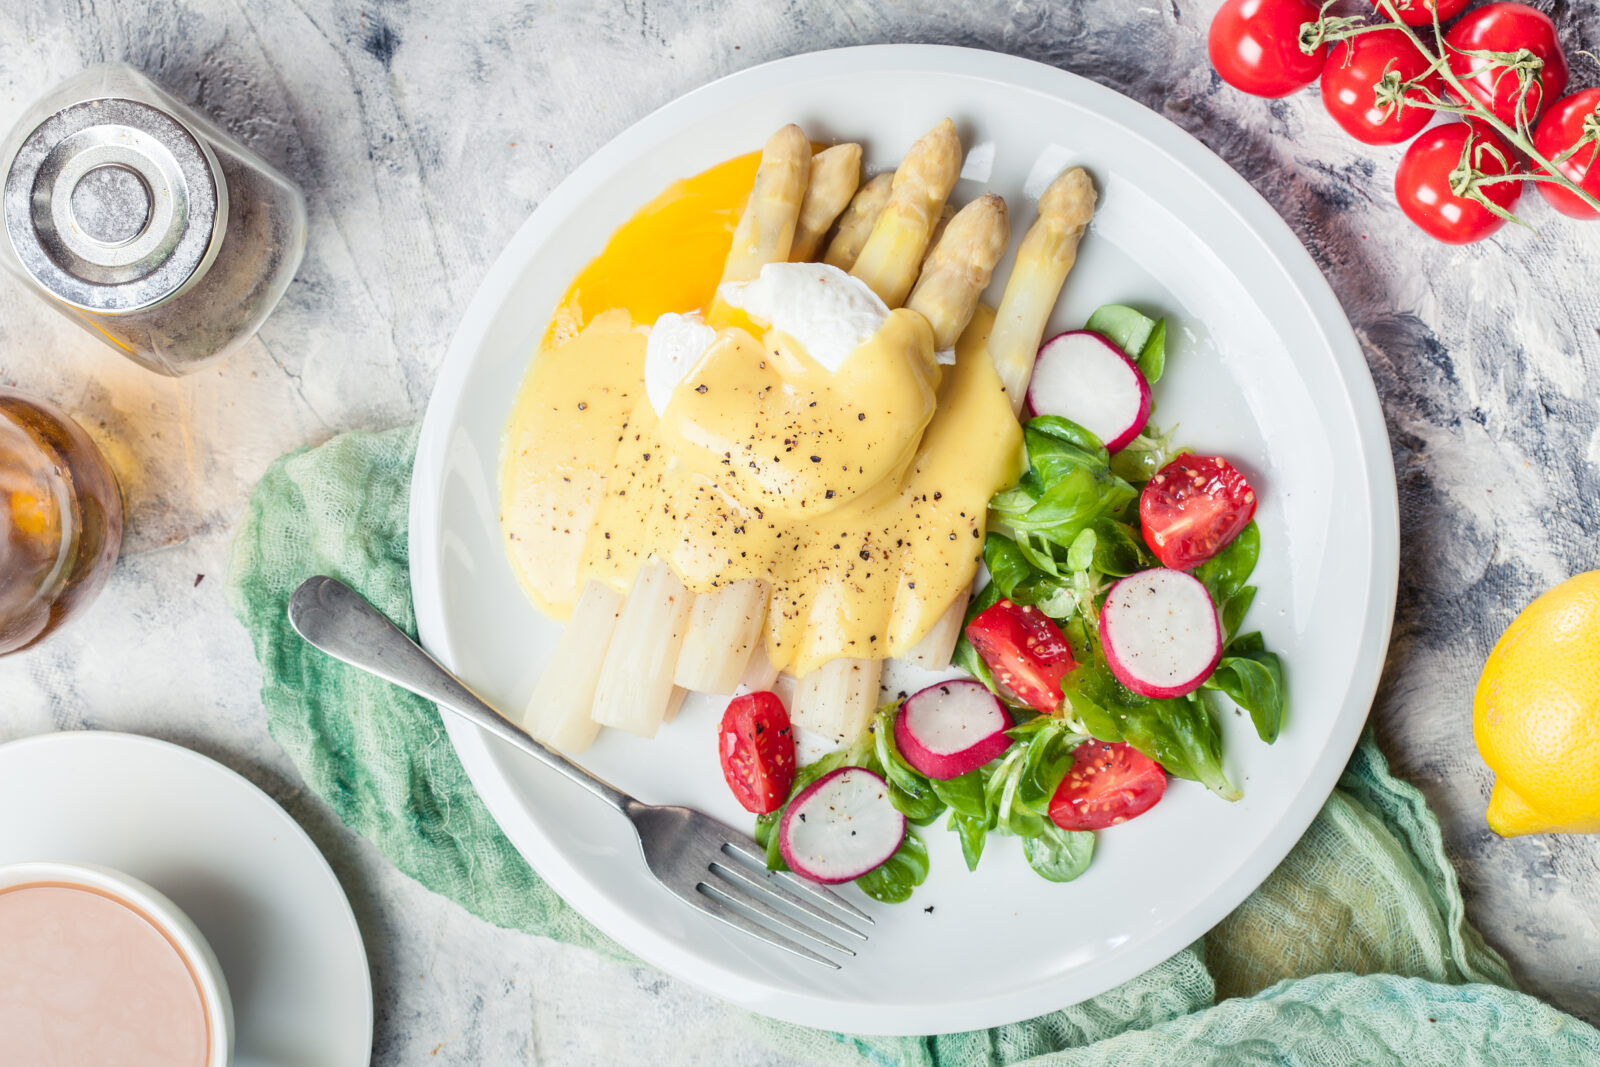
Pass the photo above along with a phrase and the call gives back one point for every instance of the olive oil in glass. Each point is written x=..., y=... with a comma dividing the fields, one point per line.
x=60, y=520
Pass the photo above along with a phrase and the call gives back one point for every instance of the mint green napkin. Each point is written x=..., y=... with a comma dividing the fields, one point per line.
x=1367, y=894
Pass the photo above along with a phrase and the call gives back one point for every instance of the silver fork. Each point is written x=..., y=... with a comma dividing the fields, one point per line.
x=707, y=864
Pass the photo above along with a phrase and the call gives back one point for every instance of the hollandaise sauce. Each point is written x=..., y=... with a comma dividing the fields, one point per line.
x=858, y=495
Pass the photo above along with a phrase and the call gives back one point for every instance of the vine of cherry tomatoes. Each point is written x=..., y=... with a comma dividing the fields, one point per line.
x=1499, y=70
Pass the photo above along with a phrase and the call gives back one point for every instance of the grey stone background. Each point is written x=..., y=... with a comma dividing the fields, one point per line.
x=425, y=131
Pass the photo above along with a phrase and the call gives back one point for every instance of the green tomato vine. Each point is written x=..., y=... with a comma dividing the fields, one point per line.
x=1393, y=93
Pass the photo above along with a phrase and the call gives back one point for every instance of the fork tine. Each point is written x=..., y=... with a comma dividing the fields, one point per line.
x=711, y=903
x=765, y=887
x=749, y=893
x=756, y=860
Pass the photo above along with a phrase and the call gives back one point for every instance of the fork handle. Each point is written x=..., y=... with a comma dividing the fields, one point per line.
x=336, y=619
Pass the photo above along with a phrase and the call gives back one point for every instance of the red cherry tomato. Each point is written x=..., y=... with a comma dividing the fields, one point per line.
x=756, y=747
x=1105, y=786
x=1255, y=46
x=1349, y=86
x=1192, y=508
x=1508, y=28
x=1420, y=12
x=1569, y=121
x=1026, y=652
x=1422, y=182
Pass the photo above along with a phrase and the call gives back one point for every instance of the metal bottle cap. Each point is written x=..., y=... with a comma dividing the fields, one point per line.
x=113, y=205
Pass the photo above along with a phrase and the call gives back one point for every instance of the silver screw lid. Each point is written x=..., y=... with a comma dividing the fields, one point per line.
x=113, y=205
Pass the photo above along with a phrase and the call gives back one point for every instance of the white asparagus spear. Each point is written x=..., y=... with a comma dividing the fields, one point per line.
x=953, y=277
x=674, y=702
x=933, y=652
x=766, y=227
x=835, y=174
x=855, y=225
x=837, y=698
x=724, y=628
x=1044, y=257
x=889, y=260
x=946, y=213
x=958, y=269
x=635, y=687
x=784, y=685
x=765, y=234
x=759, y=673
x=558, y=711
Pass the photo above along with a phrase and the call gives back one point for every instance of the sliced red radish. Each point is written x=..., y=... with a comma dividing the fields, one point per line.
x=1160, y=632
x=951, y=728
x=1084, y=377
x=840, y=827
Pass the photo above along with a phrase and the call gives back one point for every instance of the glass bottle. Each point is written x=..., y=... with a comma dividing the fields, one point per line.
x=140, y=220
x=60, y=520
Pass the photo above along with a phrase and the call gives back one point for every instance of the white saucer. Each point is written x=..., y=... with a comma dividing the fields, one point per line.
x=228, y=856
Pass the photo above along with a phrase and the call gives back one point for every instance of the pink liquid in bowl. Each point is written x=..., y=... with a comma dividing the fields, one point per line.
x=86, y=978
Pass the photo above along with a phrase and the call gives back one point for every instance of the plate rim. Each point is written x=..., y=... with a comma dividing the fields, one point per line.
x=298, y=833
x=1289, y=257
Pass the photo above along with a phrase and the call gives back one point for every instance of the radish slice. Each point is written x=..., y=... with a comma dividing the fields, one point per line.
x=1160, y=632
x=840, y=827
x=1084, y=377
x=951, y=728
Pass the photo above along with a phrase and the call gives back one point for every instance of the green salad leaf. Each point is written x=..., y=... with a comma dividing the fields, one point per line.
x=1010, y=571
x=1152, y=357
x=1144, y=339
x=1225, y=576
x=1226, y=573
x=1126, y=328
x=1059, y=855
x=964, y=795
x=1048, y=757
x=1140, y=459
x=1118, y=550
x=1178, y=734
x=902, y=872
x=972, y=833
x=1252, y=678
x=1233, y=609
x=910, y=791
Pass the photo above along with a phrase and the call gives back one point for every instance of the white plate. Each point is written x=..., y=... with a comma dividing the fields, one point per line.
x=228, y=856
x=1264, y=368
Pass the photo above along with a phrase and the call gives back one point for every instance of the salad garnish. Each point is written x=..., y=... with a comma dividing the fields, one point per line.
x=1067, y=745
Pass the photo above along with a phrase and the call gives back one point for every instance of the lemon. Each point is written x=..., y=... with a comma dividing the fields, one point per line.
x=1536, y=715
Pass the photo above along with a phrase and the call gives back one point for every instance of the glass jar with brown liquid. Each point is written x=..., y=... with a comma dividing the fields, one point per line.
x=60, y=520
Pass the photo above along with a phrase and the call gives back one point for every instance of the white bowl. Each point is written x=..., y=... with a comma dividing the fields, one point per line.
x=167, y=917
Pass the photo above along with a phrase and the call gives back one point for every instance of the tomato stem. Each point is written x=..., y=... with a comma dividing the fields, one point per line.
x=1519, y=139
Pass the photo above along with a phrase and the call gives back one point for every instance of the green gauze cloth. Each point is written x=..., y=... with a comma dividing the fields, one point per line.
x=1366, y=903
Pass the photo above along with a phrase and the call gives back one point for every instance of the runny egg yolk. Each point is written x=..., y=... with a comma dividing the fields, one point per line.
x=859, y=496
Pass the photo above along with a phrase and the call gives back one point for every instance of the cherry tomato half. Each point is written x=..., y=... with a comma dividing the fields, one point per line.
x=1422, y=182
x=756, y=747
x=1026, y=652
x=1420, y=12
x=1569, y=121
x=1508, y=28
x=1192, y=508
x=1105, y=786
x=1255, y=46
x=1350, y=80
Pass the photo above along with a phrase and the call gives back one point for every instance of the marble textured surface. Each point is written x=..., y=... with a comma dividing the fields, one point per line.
x=424, y=132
